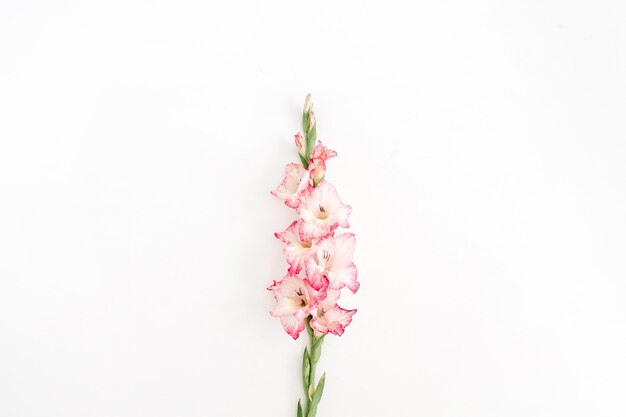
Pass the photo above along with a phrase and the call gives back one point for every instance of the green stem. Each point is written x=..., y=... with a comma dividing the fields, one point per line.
x=313, y=362
x=312, y=393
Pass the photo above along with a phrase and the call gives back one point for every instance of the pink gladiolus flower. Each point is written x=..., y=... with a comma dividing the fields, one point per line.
x=322, y=211
x=322, y=152
x=294, y=301
x=296, y=180
x=332, y=261
x=296, y=251
x=329, y=317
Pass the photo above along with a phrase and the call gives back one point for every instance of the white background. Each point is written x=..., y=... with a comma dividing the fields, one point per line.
x=482, y=147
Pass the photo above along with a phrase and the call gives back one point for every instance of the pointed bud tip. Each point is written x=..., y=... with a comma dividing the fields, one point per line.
x=308, y=103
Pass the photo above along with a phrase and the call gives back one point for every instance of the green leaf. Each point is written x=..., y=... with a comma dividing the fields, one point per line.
x=306, y=370
x=304, y=162
x=319, y=390
x=299, y=409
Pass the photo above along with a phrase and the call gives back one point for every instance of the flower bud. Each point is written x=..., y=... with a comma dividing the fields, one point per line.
x=300, y=144
x=317, y=171
x=310, y=130
x=308, y=117
x=308, y=104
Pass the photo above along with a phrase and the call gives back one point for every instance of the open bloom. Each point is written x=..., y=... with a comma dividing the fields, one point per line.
x=329, y=317
x=322, y=152
x=317, y=164
x=321, y=211
x=294, y=301
x=296, y=180
x=332, y=261
x=297, y=250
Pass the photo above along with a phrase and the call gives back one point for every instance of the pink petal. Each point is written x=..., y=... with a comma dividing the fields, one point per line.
x=318, y=281
x=333, y=260
x=321, y=211
x=295, y=182
x=346, y=276
x=322, y=152
x=332, y=319
x=293, y=325
x=343, y=252
x=296, y=251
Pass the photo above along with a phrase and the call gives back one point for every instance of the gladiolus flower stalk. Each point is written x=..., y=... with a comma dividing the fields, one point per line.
x=319, y=260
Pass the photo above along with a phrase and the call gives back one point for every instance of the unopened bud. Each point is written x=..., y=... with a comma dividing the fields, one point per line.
x=300, y=144
x=317, y=171
x=308, y=104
